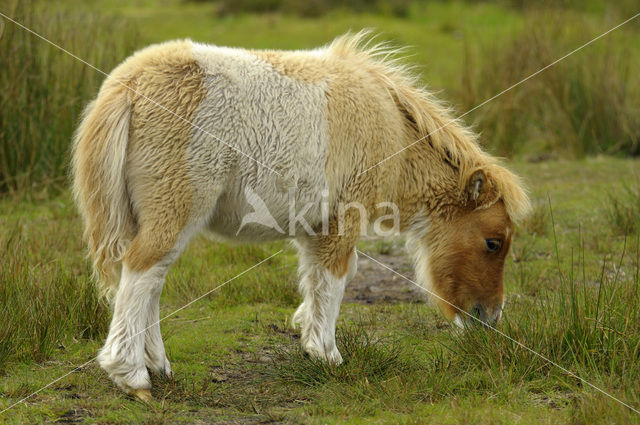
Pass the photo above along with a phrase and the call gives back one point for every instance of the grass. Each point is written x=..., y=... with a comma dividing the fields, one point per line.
x=624, y=210
x=587, y=104
x=47, y=298
x=537, y=222
x=572, y=295
x=43, y=90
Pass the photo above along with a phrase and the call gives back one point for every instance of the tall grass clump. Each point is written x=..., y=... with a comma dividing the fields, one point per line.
x=46, y=298
x=42, y=89
x=375, y=373
x=537, y=222
x=589, y=103
x=623, y=211
x=365, y=358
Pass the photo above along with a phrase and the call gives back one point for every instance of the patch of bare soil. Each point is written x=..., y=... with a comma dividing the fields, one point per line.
x=73, y=416
x=376, y=284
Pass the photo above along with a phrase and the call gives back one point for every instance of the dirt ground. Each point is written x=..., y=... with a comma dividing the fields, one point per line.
x=375, y=284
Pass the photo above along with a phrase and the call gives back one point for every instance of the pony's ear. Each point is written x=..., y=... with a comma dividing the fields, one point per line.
x=481, y=188
x=477, y=184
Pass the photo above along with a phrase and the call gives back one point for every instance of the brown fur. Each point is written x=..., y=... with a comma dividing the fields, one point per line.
x=96, y=140
x=142, y=201
x=159, y=195
x=334, y=251
x=162, y=190
x=463, y=272
x=375, y=109
x=298, y=65
x=340, y=264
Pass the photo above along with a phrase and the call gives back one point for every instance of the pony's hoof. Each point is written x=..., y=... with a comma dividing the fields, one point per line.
x=143, y=395
x=332, y=357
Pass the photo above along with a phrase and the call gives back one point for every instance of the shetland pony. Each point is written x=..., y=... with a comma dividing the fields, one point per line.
x=180, y=130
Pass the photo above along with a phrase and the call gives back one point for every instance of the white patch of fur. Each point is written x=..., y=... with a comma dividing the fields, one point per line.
x=154, y=351
x=417, y=247
x=353, y=266
x=318, y=313
x=498, y=313
x=155, y=357
x=275, y=119
x=134, y=341
x=122, y=355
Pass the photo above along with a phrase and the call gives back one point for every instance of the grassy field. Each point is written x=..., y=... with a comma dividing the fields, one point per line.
x=572, y=278
x=572, y=294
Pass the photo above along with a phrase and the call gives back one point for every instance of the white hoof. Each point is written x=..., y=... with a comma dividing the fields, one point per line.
x=334, y=357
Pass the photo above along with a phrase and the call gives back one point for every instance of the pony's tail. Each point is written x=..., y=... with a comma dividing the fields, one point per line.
x=100, y=181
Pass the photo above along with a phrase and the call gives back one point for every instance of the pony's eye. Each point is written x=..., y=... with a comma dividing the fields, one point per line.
x=493, y=245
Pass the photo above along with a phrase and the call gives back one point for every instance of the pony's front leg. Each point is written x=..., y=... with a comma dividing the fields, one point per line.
x=322, y=285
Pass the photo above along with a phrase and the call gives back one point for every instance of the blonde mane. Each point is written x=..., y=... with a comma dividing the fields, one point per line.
x=431, y=120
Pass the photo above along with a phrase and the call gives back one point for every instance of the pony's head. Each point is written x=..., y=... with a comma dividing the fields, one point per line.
x=461, y=205
x=460, y=254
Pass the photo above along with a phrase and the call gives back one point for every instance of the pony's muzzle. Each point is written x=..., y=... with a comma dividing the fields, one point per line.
x=480, y=315
x=479, y=312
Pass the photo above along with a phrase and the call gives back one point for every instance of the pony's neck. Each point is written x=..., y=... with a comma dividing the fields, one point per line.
x=429, y=185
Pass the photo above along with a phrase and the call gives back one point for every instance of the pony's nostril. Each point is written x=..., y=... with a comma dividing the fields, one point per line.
x=478, y=311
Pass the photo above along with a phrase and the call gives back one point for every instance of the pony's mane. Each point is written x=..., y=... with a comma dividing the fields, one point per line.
x=430, y=118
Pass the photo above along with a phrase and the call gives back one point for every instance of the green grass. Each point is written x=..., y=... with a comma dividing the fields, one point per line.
x=43, y=90
x=624, y=210
x=435, y=32
x=587, y=104
x=47, y=296
x=572, y=295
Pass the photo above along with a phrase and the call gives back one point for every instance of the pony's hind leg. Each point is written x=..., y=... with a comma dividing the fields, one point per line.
x=154, y=353
x=322, y=283
x=155, y=357
x=122, y=355
x=134, y=341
